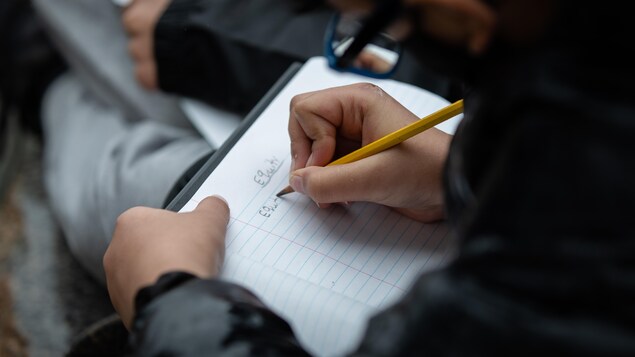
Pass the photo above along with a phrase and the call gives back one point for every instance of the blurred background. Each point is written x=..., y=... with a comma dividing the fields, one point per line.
x=47, y=302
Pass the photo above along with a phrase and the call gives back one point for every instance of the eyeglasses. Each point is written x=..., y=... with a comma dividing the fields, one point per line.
x=361, y=45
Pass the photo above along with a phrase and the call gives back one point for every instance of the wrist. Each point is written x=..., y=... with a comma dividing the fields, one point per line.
x=164, y=283
x=145, y=294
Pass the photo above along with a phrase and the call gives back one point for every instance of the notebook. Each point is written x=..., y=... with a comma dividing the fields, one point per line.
x=326, y=271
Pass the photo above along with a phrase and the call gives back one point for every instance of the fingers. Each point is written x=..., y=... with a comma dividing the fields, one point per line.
x=146, y=74
x=149, y=242
x=209, y=219
x=140, y=48
x=323, y=122
x=406, y=177
x=356, y=112
x=139, y=21
x=364, y=180
x=134, y=19
x=141, y=16
x=310, y=131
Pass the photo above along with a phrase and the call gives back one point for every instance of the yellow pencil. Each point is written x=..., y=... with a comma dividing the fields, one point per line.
x=396, y=137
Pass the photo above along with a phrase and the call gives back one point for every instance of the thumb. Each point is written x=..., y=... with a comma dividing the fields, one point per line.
x=357, y=181
x=213, y=209
x=212, y=214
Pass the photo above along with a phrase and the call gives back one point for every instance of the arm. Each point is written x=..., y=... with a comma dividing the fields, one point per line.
x=190, y=316
x=525, y=296
x=188, y=310
x=227, y=53
x=149, y=242
x=539, y=197
x=160, y=269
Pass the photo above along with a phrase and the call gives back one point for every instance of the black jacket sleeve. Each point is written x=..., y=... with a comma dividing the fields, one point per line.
x=230, y=52
x=446, y=313
x=181, y=315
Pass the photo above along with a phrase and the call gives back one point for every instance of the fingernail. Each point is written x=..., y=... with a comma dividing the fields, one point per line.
x=296, y=183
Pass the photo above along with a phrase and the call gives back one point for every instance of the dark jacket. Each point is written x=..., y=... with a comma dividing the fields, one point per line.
x=230, y=52
x=540, y=192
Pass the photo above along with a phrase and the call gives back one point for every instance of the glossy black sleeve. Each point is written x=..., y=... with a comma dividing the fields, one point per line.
x=230, y=52
x=182, y=315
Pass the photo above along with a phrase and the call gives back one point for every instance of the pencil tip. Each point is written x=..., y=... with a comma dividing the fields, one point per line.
x=286, y=190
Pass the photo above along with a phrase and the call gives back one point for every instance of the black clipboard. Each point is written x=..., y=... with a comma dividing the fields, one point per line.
x=197, y=180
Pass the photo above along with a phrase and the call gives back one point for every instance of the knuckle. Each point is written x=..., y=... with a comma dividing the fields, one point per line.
x=295, y=102
x=107, y=260
x=370, y=87
x=295, y=146
x=141, y=76
x=129, y=217
x=133, y=49
x=369, y=95
x=298, y=100
x=129, y=18
x=135, y=20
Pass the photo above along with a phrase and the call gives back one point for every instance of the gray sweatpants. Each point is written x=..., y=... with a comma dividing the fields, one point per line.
x=97, y=165
x=109, y=144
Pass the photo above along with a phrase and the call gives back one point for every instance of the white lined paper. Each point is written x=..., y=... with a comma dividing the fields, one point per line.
x=325, y=270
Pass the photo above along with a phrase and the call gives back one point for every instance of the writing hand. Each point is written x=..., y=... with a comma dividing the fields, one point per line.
x=333, y=122
x=149, y=242
x=140, y=19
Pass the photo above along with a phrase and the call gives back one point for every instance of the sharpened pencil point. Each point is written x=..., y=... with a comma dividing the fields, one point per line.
x=286, y=190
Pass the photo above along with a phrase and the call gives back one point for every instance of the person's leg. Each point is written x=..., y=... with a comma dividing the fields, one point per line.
x=97, y=165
